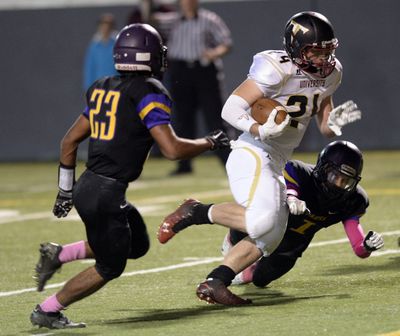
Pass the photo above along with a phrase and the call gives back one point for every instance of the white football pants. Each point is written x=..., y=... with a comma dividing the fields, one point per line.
x=257, y=183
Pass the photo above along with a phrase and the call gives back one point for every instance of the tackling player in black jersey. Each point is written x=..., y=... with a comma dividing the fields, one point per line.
x=125, y=114
x=318, y=197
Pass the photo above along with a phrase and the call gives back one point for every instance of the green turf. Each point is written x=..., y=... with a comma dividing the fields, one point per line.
x=329, y=292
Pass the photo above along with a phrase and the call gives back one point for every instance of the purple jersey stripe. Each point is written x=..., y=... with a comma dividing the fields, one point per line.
x=153, y=98
x=156, y=117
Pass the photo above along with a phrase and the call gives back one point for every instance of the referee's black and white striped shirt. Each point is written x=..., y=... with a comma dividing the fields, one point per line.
x=188, y=38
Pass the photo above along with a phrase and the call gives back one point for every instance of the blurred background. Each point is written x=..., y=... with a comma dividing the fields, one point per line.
x=45, y=42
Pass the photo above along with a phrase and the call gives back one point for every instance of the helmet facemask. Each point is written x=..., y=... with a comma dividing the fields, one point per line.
x=337, y=173
x=317, y=60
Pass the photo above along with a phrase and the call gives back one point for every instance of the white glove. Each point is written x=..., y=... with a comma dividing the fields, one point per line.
x=296, y=206
x=270, y=129
x=342, y=115
x=373, y=241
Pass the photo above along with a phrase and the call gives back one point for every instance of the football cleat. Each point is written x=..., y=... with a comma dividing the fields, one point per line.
x=48, y=263
x=54, y=320
x=214, y=291
x=180, y=217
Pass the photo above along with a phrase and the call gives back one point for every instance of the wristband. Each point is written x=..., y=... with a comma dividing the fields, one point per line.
x=66, y=177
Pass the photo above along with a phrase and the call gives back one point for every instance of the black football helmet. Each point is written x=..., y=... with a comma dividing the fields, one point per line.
x=311, y=31
x=139, y=47
x=338, y=171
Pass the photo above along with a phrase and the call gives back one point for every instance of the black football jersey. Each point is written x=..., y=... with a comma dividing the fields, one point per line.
x=301, y=229
x=121, y=110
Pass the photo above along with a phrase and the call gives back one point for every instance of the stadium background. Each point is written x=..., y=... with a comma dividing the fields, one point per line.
x=42, y=55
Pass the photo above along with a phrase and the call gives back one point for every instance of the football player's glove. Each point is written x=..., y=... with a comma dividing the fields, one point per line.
x=66, y=181
x=342, y=115
x=296, y=206
x=270, y=129
x=373, y=241
x=218, y=139
x=63, y=204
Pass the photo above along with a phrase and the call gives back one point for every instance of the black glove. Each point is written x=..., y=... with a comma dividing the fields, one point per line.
x=63, y=204
x=373, y=241
x=218, y=139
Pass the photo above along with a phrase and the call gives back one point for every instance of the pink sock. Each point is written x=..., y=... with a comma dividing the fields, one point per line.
x=51, y=305
x=72, y=252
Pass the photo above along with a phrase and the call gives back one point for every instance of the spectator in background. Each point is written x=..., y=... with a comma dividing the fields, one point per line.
x=197, y=40
x=99, y=55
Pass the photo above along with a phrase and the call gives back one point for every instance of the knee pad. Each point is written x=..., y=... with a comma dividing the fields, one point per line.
x=259, y=222
x=109, y=270
x=266, y=228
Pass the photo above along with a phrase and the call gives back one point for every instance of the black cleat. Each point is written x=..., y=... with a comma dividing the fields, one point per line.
x=48, y=263
x=52, y=320
x=215, y=291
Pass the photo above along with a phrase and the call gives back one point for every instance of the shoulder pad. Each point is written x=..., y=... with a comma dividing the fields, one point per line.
x=266, y=69
x=156, y=83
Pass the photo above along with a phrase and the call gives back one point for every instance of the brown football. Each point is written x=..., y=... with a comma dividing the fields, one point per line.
x=263, y=107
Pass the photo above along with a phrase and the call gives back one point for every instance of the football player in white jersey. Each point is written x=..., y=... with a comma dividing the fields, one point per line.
x=303, y=78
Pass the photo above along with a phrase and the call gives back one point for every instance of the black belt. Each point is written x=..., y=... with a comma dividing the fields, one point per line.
x=111, y=180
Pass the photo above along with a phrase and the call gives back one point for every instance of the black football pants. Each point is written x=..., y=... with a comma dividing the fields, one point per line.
x=115, y=229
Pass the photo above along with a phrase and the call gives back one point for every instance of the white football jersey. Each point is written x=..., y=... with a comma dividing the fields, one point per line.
x=278, y=78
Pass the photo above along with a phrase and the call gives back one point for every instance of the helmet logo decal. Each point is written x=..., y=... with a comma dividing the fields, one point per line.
x=298, y=27
x=143, y=57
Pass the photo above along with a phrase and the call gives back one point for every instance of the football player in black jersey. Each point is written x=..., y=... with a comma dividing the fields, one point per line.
x=125, y=114
x=318, y=197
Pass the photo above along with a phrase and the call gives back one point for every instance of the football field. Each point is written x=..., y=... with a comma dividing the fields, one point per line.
x=330, y=291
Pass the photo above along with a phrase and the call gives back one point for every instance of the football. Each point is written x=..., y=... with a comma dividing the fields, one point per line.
x=263, y=107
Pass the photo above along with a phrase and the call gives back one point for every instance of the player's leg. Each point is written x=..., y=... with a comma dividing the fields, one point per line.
x=271, y=268
x=259, y=188
x=53, y=256
x=140, y=242
x=97, y=201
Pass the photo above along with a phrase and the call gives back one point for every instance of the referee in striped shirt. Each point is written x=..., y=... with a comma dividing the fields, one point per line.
x=196, y=42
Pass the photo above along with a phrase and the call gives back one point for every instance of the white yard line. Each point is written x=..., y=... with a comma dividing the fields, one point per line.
x=196, y=262
x=147, y=206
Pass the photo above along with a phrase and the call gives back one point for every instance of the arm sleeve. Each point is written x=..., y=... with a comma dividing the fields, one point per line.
x=291, y=180
x=236, y=113
x=355, y=234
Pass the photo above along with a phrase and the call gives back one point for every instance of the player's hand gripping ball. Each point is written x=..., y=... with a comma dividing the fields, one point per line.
x=263, y=107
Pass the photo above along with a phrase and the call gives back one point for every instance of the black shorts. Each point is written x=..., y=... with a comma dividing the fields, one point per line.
x=110, y=222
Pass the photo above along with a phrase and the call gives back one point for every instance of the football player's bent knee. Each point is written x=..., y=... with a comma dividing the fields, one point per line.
x=109, y=270
x=140, y=247
x=111, y=261
x=271, y=268
x=259, y=222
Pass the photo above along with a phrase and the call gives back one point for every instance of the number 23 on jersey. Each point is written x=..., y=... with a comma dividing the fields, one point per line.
x=103, y=116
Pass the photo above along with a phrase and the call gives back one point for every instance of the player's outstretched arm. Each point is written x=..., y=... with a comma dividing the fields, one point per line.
x=331, y=120
x=362, y=245
x=176, y=148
